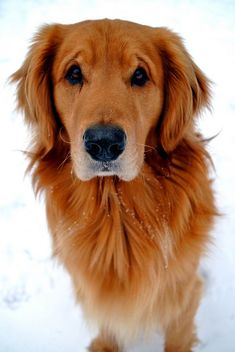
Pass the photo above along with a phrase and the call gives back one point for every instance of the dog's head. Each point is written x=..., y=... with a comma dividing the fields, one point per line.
x=107, y=90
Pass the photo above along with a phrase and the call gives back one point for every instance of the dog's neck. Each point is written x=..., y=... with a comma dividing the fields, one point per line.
x=111, y=221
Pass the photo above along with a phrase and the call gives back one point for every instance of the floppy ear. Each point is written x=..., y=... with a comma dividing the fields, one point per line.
x=186, y=89
x=34, y=89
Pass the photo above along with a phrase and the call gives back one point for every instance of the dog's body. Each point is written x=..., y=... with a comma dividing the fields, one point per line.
x=125, y=175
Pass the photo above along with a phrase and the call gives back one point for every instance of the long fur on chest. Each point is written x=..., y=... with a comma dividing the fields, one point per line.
x=114, y=227
x=133, y=243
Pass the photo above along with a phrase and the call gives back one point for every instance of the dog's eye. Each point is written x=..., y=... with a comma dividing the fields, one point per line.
x=139, y=77
x=74, y=75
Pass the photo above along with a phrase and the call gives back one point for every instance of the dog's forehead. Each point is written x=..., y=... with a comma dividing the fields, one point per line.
x=112, y=38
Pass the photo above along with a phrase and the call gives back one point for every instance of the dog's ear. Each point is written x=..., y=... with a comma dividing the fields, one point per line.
x=35, y=89
x=186, y=89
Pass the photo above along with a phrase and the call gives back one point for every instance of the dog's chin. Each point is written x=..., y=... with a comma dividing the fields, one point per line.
x=105, y=169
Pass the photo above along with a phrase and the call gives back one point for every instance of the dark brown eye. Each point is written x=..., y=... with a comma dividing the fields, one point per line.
x=74, y=75
x=139, y=77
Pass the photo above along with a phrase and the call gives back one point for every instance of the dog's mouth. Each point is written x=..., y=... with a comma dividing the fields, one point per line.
x=105, y=168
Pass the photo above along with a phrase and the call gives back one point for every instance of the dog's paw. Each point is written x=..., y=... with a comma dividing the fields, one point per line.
x=100, y=344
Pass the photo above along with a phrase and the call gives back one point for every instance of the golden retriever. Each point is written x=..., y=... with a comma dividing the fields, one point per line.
x=113, y=106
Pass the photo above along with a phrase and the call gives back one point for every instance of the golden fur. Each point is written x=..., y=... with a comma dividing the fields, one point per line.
x=131, y=241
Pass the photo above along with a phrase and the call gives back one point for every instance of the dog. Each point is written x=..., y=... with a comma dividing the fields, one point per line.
x=113, y=108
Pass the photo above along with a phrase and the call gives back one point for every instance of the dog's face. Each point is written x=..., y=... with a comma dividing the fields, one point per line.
x=109, y=89
x=108, y=92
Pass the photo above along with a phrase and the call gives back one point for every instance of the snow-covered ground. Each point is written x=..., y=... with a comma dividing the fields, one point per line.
x=37, y=309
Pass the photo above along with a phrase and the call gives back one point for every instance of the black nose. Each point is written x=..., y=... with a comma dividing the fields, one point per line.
x=104, y=142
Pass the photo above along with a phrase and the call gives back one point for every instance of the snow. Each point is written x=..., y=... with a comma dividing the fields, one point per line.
x=37, y=308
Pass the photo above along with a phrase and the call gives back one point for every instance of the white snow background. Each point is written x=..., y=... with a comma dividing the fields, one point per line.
x=37, y=308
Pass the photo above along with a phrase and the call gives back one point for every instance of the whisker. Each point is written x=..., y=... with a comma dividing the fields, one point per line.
x=64, y=161
x=60, y=135
x=146, y=145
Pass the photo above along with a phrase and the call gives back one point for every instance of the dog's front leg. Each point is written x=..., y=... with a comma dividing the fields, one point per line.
x=181, y=334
